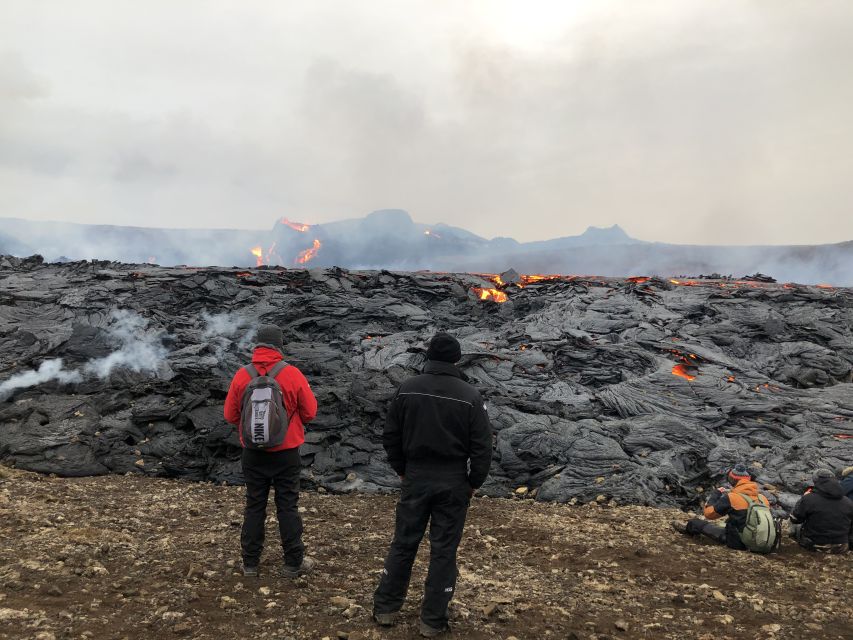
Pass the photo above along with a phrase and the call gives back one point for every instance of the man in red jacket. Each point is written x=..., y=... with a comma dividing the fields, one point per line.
x=279, y=466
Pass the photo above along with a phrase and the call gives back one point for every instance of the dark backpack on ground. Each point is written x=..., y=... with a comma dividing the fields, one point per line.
x=263, y=419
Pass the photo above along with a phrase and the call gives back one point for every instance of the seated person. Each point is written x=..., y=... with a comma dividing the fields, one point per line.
x=823, y=518
x=734, y=503
x=847, y=482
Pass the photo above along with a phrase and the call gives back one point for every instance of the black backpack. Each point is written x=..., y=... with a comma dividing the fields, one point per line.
x=263, y=419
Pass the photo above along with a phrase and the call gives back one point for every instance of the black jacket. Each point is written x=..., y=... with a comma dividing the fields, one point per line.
x=847, y=486
x=437, y=418
x=826, y=513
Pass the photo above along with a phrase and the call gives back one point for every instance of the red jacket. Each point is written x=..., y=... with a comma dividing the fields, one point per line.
x=299, y=401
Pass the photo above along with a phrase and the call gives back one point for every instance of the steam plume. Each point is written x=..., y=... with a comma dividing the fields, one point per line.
x=48, y=370
x=140, y=350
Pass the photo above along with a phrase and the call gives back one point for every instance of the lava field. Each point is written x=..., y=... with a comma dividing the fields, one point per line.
x=639, y=389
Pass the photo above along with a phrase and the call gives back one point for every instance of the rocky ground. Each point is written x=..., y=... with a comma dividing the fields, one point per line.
x=130, y=557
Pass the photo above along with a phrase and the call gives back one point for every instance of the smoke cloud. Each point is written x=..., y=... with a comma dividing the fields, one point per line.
x=221, y=329
x=140, y=350
x=713, y=121
x=47, y=371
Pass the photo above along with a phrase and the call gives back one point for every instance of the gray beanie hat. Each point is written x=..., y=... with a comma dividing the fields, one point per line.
x=269, y=335
x=822, y=473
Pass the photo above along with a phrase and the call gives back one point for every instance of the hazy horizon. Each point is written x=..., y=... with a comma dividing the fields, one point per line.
x=682, y=121
x=437, y=223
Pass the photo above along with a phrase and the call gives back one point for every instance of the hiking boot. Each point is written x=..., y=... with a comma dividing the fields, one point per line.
x=431, y=632
x=680, y=527
x=385, y=619
x=250, y=572
x=304, y=569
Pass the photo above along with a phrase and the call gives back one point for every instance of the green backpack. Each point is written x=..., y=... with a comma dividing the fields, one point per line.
x=759, y=534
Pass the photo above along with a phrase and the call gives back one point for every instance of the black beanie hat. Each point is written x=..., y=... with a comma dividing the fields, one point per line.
x=444, y=348
x=269, y=335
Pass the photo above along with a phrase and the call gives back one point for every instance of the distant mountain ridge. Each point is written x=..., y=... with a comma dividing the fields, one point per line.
x=391, y=239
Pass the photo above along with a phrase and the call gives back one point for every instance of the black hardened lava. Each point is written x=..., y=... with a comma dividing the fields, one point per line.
x=641, y=389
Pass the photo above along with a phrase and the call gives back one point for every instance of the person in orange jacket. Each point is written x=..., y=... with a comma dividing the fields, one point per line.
x=277, y=467
x=726, y=503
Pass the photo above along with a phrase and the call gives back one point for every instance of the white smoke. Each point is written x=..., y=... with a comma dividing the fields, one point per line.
x=221, y=328
x=141, y=349
x=48, y=370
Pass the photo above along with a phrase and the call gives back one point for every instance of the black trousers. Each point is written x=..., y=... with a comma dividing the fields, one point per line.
x=440, y=500
x=279, y=470
x=697, y=526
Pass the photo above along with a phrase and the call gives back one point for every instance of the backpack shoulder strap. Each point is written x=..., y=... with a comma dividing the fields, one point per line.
x=250, y=369
x=280, y=366
x=749, y=501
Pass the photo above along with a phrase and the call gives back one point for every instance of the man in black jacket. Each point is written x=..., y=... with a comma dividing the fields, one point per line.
x=823, y=518
x=439, y=441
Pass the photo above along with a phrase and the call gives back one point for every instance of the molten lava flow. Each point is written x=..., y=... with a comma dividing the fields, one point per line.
x=731, y=378
x=296, y=226
x=538, y=277
x=639, y=279
x=824, y=286
x=259, y=255
x=490, y=294
x=681, y=371
x=843, y=436
x=688, y=365
x=308, y=254
x=498, y=281
x=685, y=283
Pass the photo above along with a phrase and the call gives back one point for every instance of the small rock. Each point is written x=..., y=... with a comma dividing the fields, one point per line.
x=53, y=590
x=264, y=591
x=726, y=619
x=490, y=609
x=194, y=570
x=719, y=595
x=772, y=628
x=182, y=628
x=521, y=491
x=172, y=616
x=140, y=463
x=352, y=611
x=340, y=601
x=227, y=602
x=621, y=625
x=351, y=477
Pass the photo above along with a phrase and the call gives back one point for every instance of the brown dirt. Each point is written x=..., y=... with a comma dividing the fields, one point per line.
x=130, y=557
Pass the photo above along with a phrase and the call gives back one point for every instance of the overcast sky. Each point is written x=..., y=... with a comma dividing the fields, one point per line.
x=690, y=121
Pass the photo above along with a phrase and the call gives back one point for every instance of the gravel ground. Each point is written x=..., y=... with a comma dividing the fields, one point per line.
x=131, y=557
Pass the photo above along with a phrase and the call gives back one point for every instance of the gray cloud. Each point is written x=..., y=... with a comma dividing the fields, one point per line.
x=694, y=122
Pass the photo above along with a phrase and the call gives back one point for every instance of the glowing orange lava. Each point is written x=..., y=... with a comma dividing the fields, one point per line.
x=679, y=370
x=296, y=226
x=639, y=279
x=258, y=252
x=490, y=294
x=309, y=254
